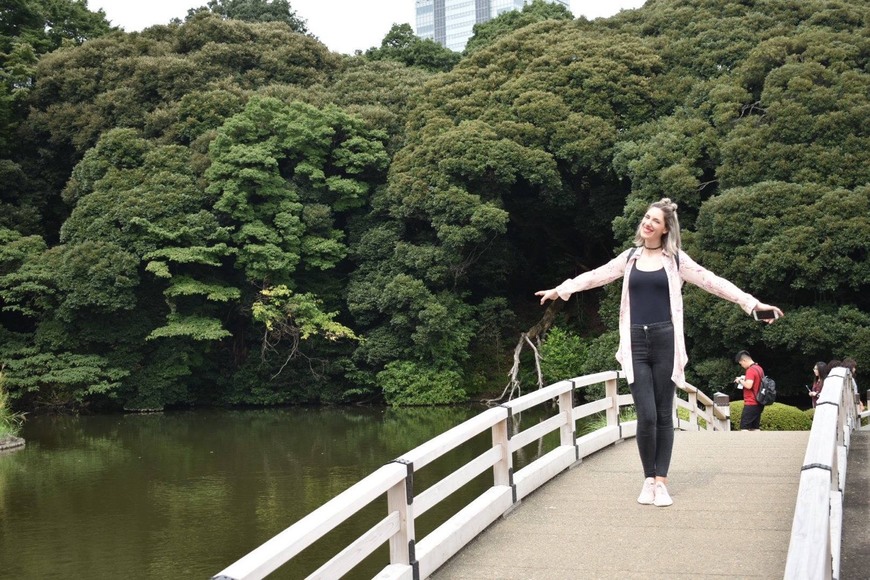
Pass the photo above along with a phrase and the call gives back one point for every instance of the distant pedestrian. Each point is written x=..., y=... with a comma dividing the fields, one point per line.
x=820, y=371
x=750, y=383
x=652, y=349
x=852, y=365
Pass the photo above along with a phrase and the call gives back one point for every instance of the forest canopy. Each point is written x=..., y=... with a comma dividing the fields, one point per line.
x=221, y=211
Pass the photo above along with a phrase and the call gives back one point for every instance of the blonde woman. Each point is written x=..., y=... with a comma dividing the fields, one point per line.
x=652, y=348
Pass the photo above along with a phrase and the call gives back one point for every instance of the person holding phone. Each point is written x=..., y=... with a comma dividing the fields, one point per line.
x=652, y=349
x=820, y=371
x=749, y=382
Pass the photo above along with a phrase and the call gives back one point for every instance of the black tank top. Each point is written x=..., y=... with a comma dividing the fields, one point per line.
x=649, y=297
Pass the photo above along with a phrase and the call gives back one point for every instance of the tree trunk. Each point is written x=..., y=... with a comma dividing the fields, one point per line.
x=536, y=334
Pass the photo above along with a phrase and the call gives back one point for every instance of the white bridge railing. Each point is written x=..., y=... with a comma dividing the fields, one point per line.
x=814, y=549
x=412, y=557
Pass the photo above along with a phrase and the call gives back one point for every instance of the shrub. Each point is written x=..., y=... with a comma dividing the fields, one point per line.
x=10, y=421
x=776, y=417
x=563, y=355
x=409, y=383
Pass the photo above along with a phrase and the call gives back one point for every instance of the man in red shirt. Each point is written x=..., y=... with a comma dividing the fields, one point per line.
x=750, y=383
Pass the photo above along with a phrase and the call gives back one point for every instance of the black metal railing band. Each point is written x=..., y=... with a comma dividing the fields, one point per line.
x=573, y=422
x=510, y=420
x=412, y=558
x=512, y=484
x=409, y=478
x=817, y=466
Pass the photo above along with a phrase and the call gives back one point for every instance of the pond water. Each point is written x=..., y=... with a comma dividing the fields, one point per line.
x=185, y=494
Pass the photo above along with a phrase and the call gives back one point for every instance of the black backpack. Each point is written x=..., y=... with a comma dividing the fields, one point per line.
x=766, y=394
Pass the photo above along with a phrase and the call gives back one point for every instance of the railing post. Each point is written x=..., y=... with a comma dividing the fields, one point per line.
x=503, y=470
x=845, y=424
x=723, y=404
x=566, y=408
x=612, y=393
x=400, y=498
x=693, y=409
x=568, y=431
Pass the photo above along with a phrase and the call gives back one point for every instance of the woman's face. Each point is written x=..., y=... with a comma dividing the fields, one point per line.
x=652, y=226
x=816, y=370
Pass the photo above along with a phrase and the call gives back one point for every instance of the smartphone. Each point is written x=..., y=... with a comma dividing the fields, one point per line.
x=764, y=314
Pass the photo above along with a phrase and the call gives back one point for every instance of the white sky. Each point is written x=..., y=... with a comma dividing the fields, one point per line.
x=342, y=25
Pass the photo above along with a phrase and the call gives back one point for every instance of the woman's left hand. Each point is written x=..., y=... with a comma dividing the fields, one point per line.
x=763, y=306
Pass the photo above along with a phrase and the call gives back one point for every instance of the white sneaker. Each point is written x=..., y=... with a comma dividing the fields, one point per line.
x=648, y=492
x=663, y=498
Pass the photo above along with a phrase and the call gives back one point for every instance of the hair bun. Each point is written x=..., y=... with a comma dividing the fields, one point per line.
x=666, y=201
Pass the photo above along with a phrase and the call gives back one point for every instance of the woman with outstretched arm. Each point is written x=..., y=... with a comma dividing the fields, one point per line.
x=652, y=348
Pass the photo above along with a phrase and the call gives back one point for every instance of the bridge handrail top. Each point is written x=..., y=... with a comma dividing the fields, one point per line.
x=814, y=548
x=427, y=452
x=539, y=396
x=822, y=443
x=301, y=534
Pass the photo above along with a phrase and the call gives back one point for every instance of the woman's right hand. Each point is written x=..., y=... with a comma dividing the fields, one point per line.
x=545, y=295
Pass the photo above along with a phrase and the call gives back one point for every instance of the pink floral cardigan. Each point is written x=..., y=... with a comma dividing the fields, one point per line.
x=689, y=271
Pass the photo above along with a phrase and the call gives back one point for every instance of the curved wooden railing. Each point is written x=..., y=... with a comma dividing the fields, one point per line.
x=814, y=548
x=412, y=557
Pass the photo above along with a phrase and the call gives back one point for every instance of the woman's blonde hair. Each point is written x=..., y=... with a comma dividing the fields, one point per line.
x=670, y=241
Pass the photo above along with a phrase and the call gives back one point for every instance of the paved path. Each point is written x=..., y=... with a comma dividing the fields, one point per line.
x=855, y=561
x=734, y=496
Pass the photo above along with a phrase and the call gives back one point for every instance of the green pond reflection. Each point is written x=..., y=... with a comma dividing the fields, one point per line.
x=185, y=494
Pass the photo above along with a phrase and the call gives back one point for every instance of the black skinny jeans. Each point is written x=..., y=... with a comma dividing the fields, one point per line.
x=652, y=355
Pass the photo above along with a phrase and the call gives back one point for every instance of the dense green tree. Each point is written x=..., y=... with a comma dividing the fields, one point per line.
x=28, y=30
x=381, y=92
x=488, y=32
x=807, y=253
x=46, y=24
x=62, y=290
x=509, y=134
x=807, y=121
x=144, y=188
x=176, y=83
x=124, y=80
x=254, y=11
x=248, y=249
x=402, y=45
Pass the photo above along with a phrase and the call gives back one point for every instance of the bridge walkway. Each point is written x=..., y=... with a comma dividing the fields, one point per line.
x=734, y=498
x=855, y=561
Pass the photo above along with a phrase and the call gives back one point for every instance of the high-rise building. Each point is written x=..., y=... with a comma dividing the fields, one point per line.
x=450, y=22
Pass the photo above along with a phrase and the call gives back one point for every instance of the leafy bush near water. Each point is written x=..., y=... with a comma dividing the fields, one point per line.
x=10, y=421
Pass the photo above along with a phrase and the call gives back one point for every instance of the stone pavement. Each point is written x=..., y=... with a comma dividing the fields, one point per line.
x=855, y=559
x=734, y=496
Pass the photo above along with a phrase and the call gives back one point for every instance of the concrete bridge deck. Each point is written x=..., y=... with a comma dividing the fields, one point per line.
x=734, y=498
